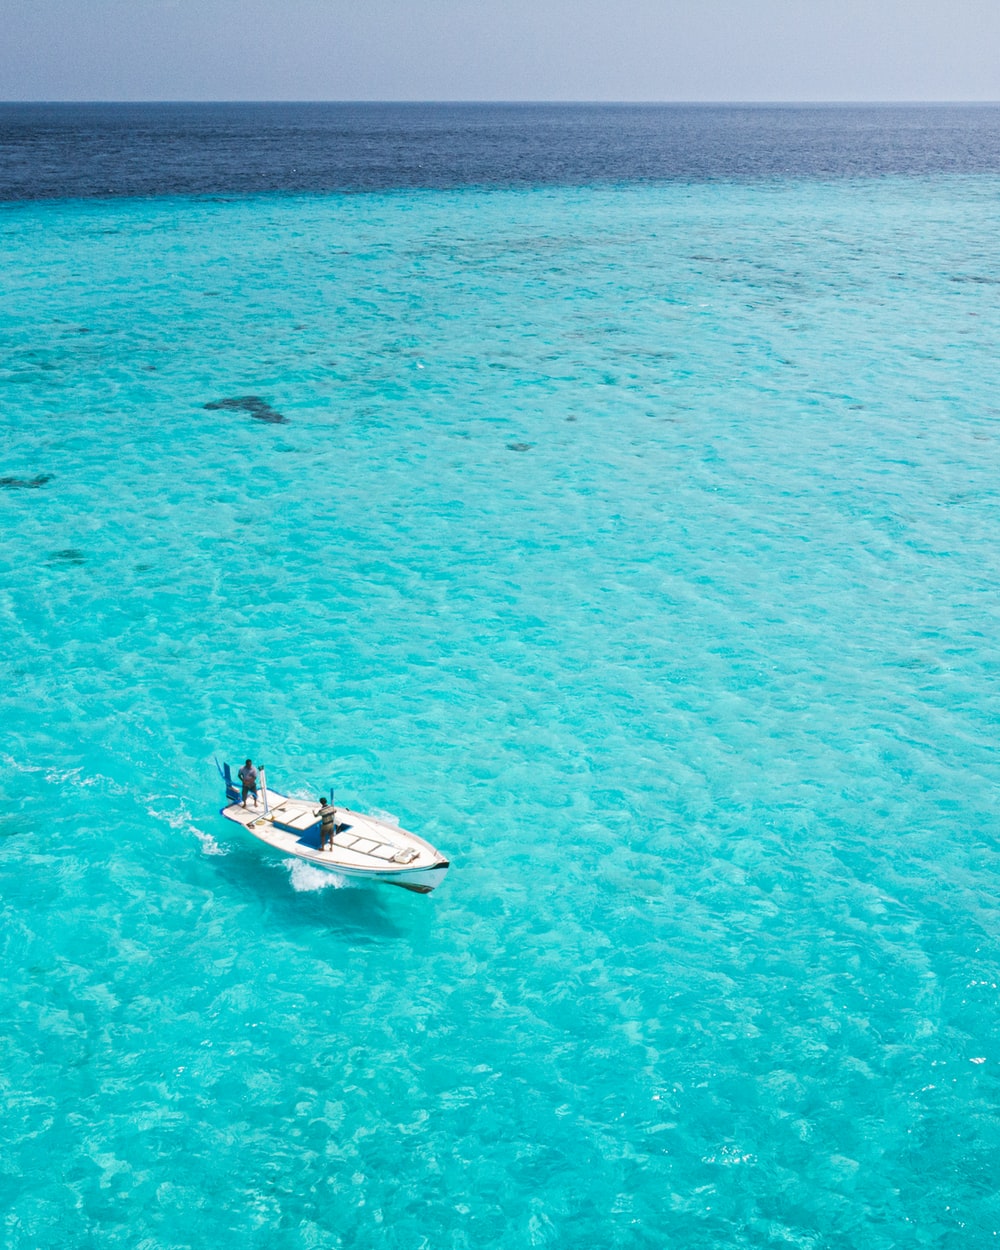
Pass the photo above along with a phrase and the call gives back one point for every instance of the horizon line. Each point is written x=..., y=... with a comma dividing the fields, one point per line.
x=762, y=103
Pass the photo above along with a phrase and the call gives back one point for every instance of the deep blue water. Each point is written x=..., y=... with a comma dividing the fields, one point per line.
x=53, y=150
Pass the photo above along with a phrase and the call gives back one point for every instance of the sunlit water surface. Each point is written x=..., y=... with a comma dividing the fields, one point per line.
x=638, y=547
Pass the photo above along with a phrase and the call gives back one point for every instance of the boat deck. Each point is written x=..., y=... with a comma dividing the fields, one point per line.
x=361, y=842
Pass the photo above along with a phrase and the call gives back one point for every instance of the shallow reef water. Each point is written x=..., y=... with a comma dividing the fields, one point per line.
x=699, y=694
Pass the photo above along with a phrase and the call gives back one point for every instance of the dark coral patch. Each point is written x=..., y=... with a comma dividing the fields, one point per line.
x=68, y=555
x=25, y=483
x=520, y=446
x=258, y=408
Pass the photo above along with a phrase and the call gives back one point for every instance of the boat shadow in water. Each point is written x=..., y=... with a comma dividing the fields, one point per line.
x=295, y=896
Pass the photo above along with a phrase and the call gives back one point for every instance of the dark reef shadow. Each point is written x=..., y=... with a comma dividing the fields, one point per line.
x=258, y=408
x=25, y=483
x=68, y=555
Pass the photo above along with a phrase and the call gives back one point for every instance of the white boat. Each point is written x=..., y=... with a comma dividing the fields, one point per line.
x=363, y=846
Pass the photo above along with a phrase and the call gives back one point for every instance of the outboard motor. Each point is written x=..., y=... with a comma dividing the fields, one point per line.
x=233, y=791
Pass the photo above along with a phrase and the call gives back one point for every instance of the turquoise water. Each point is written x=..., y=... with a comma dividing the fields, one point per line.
x=637, y=546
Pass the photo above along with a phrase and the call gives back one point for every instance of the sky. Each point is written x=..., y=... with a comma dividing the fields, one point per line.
x=643, y=50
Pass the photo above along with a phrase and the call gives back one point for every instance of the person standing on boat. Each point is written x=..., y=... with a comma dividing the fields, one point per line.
x=328, y=823
x=248, y=776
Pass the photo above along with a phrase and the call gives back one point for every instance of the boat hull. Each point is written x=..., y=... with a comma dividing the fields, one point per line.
x=422, y=881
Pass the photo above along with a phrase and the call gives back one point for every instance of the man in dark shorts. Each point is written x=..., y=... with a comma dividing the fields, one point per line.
x=248, y=775
x=328, y=823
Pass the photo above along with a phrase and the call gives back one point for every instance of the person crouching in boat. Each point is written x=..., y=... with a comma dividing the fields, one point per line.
x=248, y=776
x=327, y=814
